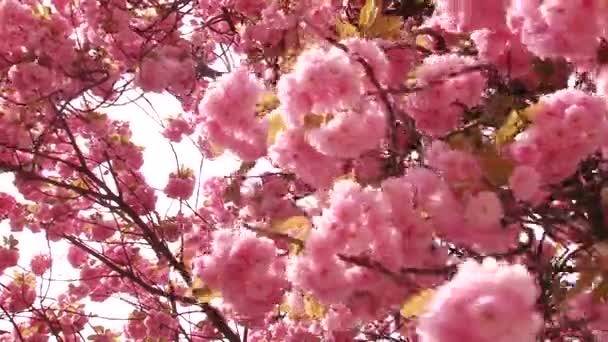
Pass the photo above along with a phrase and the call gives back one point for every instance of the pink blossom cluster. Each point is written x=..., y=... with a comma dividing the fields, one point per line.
x=181, y=184
x=323, y=80
x=166, y=69
x=8, y=258
x=228, y=115
x=355, y=223
x=246, y=270
x=469, y=15
x=446, y=91
x=216, y=206
x=491, y=301
x=471, y=218
x=268, y=201
x=350, y=133
x=567, y=126
x=560, y=28
x=19, y=294
x=177, y=129
x=293, y=152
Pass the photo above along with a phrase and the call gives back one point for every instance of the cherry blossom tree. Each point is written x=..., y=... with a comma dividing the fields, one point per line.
x=413, y=170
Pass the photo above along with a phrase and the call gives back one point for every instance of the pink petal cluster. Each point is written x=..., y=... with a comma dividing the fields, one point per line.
x=505, y=50
x=216, y=206
x=323, y=80
x=559, y=28
x=350, y=133
x=447, y=89
x=166, y=70
x=8, y=258
x=293, y=152
x=268, y=201
x=567, y=126
x=487, y=302
x=357, y=222
x=369, y=51
x=181, y=184
x=177, y=128
x=585, y=306
x=40, y=263
x=525, y=182
x=246, y=270
x=456, y=166
x=470, y=15
x=18, y=295
x=229, y=117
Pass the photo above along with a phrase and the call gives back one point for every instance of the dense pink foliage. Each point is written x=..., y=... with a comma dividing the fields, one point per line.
x=321, y=170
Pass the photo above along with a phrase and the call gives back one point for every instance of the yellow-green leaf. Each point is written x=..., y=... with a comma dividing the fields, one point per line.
x=298, y=223
x=312, y=121
x=216, y=151
x=424, y=41
x=275, y=126
x=42, y=12
x=313, y=308
x=368, y=14
x=497, y=168
x=233, y=192
x=386, y=27
x=469, y=140
x=245, y=168
x=512, y=126
x=346, y=30
x=267, y=103
x=417, y=304
x=205, y=294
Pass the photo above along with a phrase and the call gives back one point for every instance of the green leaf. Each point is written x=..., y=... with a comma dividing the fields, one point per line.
x=12, y=242
x=99, y=329
x=267, y=103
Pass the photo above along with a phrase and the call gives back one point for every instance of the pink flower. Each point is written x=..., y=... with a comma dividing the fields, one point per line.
x=488, y=302
x=484, y=210
x=8, y=258
x=229, y=115
x=181, y=184
x=40, y=264
x=177, y=128
x=525, y=183
x=439, y=106
x=559, y=28
x=76, y=256
x=322, y=81
x=351, y=133
x=469, y=15
x=292, y=152
x=241, y=258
